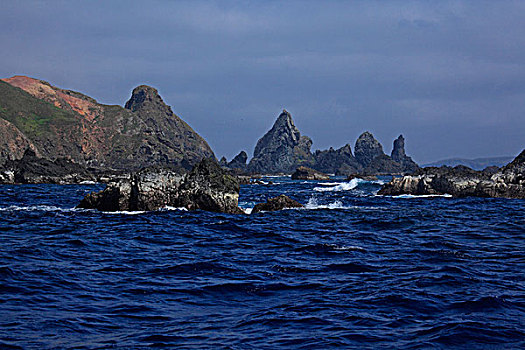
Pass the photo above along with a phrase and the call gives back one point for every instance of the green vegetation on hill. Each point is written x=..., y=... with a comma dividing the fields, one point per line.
x=33, y=117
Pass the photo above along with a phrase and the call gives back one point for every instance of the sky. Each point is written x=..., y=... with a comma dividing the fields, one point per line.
x=448, y=75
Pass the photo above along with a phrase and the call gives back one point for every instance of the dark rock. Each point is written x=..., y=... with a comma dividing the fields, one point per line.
x=383, y=165
x=462, y=181
x=223, y=162
x=31, y=169
x=338, y=162
x=304, y=173
x=362, y=177
x=277, y=203
x=399, y=156
x=239, y=161
x=207, y=187
x=367, y=148
x=282, y=149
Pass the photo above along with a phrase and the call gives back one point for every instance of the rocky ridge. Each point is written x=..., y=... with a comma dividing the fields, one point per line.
x=283, y=149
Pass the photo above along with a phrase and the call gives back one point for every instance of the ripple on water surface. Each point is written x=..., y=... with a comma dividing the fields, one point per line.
x=351, y=270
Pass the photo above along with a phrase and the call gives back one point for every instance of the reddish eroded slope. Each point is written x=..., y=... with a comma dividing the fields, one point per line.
x=64, y=99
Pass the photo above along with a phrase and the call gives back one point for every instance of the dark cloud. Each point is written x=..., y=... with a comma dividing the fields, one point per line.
x=448, y=75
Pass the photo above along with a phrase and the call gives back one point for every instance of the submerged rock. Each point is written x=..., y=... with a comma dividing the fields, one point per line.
x=206, y=187
x=305, y=173
x=277, y=203
x=462, y=181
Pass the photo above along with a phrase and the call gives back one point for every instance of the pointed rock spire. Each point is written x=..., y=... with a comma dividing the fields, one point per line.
x=282, y=148
x=398, y=152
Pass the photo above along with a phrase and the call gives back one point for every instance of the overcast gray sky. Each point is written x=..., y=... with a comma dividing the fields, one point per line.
x=449, y=75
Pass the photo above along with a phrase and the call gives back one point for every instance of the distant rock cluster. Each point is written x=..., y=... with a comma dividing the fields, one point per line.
x=461, y=181
x=283, y=149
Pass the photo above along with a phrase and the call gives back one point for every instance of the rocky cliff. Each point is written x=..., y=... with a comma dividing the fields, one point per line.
x=58, y=123
x=282, y=149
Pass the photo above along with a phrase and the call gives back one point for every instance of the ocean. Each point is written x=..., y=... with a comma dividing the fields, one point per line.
x=351, y=270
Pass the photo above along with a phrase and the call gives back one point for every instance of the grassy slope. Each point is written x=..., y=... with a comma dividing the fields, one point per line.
x=33, y=117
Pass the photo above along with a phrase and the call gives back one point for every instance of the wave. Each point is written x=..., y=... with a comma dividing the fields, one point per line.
x=343, y=186
x=39, y=208
x=313, y=204
x=168, y=208
x=446, y=195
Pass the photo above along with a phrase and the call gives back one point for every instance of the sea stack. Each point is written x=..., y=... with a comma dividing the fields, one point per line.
x=282, y=149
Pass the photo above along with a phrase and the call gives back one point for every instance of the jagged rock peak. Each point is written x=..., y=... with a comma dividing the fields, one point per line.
x=241, y=158
x=282, y=149
x=143, y=95
x=398, y=152
x=367, y=148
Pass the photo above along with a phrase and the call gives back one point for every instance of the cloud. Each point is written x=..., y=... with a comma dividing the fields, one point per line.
x=229, y=67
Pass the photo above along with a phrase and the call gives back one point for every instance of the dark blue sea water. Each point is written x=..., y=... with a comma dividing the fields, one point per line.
x=352, y=270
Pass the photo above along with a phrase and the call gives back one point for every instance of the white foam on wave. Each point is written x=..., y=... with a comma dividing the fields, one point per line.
x=313, y=204
x=343, y=186
x=168, y=208
x=124, y=212
x=247, y=210
x=39, y=208
x=446, y=195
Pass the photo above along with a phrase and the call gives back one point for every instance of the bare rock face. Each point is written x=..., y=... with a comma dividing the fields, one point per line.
x=31, y=169
x=239, y=161
x=277, y=203
x=282, y=149
x=367, y=148
x=398, y=155
x=462, y=181
x=206, y=187
x=305, y=173
x=338, y=162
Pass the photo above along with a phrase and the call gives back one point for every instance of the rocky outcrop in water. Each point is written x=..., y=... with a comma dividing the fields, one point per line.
x=367, y=148
x=206, y=187
x=462, y=181
x=305, y=173
x=282, y=149
x=338, y=162
x=369, y=153
x=31, y=169
x=58, y=123
x=398, y=155
x=277, y=203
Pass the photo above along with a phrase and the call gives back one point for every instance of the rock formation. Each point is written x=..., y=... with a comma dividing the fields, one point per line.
x=31, y=169
x=238, y=162
x=367, y=148
x=338, y=162
x=398, y=155
x=304, y=173
x=206, y=187
x=59, y=123
x=462, y=181
x=282, y=149
x=277, y=203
